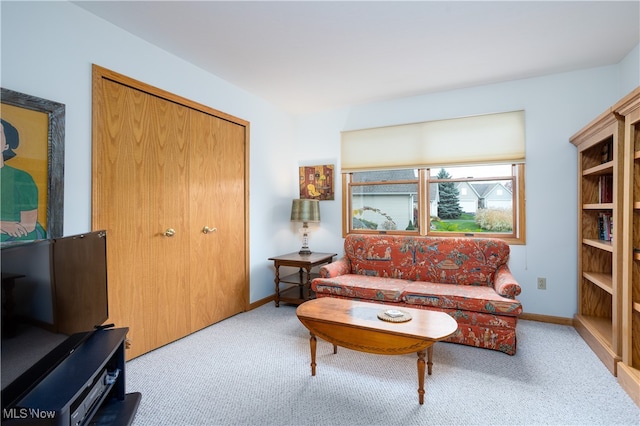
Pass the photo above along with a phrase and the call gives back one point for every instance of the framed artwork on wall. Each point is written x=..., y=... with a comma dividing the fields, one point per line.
x=316, y=182
x=32, y=167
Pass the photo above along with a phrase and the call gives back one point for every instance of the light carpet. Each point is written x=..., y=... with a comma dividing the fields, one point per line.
x=253, y=369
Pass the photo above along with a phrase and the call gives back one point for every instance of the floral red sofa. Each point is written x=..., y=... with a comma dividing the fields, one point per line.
x=468, y=278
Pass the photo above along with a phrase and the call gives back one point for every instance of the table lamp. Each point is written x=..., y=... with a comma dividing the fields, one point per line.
x=305, y=211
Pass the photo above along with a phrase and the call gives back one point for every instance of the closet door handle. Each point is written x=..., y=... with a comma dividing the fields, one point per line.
x=207, y=230
x=169, y=232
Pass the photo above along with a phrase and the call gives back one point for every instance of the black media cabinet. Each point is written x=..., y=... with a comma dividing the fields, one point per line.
x=86, y=388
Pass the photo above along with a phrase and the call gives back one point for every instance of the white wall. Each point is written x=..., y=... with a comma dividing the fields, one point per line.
x=629, y=72
x=48, y=49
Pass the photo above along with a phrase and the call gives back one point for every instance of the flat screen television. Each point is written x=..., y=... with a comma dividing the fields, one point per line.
x=54, y=295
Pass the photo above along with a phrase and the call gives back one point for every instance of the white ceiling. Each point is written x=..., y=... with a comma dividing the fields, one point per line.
x=307, y=56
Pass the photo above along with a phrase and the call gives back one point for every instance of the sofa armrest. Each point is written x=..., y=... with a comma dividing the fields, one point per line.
x=505, y=284
x=341, y=266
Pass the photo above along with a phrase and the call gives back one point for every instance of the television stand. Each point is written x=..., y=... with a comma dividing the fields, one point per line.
x=86, y=388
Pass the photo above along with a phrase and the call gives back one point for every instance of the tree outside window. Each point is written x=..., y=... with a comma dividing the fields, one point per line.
x=449, y=202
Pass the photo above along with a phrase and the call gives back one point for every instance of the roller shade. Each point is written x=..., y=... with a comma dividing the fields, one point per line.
x=482, y=139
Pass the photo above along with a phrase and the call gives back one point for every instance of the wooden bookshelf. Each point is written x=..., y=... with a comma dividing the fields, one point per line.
x=629, y=366
x=608, y=316
x=600, y=158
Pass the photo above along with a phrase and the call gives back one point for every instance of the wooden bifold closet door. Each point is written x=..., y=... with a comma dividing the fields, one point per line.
x=170, y=188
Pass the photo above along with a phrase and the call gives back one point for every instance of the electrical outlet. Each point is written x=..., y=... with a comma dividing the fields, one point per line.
x=542, y=283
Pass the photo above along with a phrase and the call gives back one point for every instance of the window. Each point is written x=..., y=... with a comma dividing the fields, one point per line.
x=452, y=177
x=384, y=200
x=478, y=200
x=441, y=201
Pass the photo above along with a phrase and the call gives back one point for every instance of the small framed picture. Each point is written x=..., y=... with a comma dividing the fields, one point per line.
x=316, y=182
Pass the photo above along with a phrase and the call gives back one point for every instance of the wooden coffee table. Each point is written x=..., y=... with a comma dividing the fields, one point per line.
x=355, y=325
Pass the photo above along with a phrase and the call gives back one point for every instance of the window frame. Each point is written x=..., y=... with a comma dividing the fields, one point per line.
x=517, y=237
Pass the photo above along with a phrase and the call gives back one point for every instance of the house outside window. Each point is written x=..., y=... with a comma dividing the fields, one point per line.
x=384, y=200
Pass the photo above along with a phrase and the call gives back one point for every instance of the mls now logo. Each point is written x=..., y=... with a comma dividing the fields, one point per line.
x=27, y=413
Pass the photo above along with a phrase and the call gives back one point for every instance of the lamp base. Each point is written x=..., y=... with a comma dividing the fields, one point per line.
x=305, y=240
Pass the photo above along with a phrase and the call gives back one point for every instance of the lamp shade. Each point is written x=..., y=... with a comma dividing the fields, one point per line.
x=304, y=210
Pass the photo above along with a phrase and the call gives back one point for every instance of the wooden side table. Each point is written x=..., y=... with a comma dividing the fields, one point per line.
x=299, y=284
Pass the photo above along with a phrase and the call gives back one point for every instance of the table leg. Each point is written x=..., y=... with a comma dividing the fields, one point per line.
x=308, y=284
x=313, y=342
x=277, y=281
x=421, y=355
x=429, y=359
x=302, y=283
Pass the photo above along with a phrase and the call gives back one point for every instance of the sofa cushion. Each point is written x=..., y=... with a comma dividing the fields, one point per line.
x=460, y=297
x=468, y=261
x=419, y=294
x=361, y=287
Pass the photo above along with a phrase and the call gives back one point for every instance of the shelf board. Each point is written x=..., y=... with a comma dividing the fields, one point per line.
x=296, y=294
x=636, y=205
x=295, y=278
x=598, y=206
x=602, y=326
x=636, y=306
x=636, y=155
x=636, y=256
x=601, y=244
x=600, y=169
x=598, y=332
x=603, y=281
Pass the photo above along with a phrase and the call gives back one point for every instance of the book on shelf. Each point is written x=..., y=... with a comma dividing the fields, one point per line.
x=606, y=152
x=605, y=189
x=605, y=227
